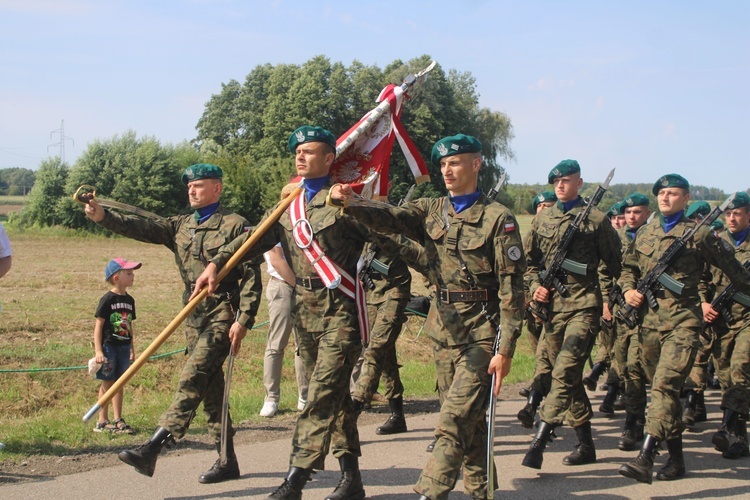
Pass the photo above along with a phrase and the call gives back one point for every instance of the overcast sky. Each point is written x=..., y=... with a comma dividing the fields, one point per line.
x=648, y=87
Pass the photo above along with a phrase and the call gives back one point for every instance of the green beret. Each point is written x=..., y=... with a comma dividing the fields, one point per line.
x=670, y=180
x=717, y=225
x=307, y=133
x=454, y=145
x=565, y=167
x=741, y=199
x=616, y=209
x=201, y=171
x=635, y=200
x=698, y=209
x=542, y=197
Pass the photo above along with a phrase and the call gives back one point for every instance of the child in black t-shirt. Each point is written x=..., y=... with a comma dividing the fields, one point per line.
x=113, y=339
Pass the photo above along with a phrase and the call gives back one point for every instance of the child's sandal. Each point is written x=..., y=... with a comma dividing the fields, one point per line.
x=123, y=427
x=104, y=427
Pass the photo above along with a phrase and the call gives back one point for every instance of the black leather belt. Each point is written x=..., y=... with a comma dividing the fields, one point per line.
x=310, y=283
x=449, y=296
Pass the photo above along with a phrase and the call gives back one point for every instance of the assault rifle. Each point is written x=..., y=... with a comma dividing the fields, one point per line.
x=550, y=277
x=493, y=192
x=658, y=276
x=722, y=303
x=615, y=297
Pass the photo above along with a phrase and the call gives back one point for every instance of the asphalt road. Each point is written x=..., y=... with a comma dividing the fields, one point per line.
x=391, y=464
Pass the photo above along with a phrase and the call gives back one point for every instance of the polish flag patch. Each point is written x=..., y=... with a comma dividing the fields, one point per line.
x=509, y=227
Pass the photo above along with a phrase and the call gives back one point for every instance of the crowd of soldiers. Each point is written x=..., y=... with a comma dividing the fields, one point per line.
x=577, y=276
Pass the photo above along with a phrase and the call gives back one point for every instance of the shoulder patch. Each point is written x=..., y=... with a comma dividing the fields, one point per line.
x=514, y=253
x=509, y=226
x=726, y=245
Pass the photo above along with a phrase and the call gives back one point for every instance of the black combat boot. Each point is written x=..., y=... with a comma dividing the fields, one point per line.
x=607, y=407
x=722, y=438
x=585, y=452
x=524, y=393
x=688, y=413
x=222, y=471
x=593, y=376
x=675, y=467
x=291, y=488
x=527, y=413
x=739, y=447
x=619, y=400
x=144, y=457
x=631, y=433
x=350, y=485
x=396, y=423
x=535, y=455
x=700, y=408
x=641, y=469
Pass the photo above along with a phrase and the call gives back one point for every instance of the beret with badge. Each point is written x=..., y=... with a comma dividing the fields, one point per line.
x=616, y=209
x=670, y=180
x=543, y=197
x=201, y=171
x=741, y=199
x=635, y=200
x=306, y=133
x=565, y=167
x=454, y=145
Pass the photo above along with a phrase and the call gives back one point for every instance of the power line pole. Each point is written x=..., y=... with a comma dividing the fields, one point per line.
x=61, y=143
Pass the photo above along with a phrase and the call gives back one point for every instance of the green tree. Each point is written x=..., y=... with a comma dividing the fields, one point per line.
x=49, y=188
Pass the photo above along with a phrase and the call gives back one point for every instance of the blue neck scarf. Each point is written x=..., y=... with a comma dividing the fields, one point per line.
x=204, y=213
x=313, y=186
x=464, y=201
x=631, y=233
x=739, y=237
x=670, y=221
x=566, y=206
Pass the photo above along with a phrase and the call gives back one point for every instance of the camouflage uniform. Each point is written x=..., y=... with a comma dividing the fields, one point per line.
x=327, y=329
x=386, y=309
x=669, y=335
x=485, y=236
x=574, y=320
x=207, y=332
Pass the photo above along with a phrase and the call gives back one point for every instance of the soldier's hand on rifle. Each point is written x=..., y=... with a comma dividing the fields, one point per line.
x=207, y=278
x=94, y=211
x=606, y=313
x=500, y=366
x=541, y=294
x=236, y=333
x=634, y=298
x=709, y=313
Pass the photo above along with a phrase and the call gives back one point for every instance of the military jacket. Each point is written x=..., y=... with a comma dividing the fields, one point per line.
x=341, y=238
x=596, y=241
x=486, y=238
x=740, y=313
x=395, y=285
x=193, y=245
x=688, y=267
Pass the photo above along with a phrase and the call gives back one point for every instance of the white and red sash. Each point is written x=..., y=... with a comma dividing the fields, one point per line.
x=332, y=274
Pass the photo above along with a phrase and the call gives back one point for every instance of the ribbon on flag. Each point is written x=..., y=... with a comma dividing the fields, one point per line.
x=365, y=163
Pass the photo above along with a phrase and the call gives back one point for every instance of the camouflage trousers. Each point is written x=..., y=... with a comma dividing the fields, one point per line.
x=667, y=358
x=606, y=341
x=569, y=337
x=628, y=355
x=710, y=345
x=461, y=432
x=328, y=420
x=386, y=321
x=734, y=368
x=542, y=381
x=201, y=379
x=534, y=328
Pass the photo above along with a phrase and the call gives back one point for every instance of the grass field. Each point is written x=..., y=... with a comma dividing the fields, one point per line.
x=48, y=301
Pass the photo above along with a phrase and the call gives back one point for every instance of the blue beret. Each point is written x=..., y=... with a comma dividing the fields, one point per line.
x=201, y=171
x=635, y=200
x=542, y=197
x=670, y=180
x=307, y=133
x=741, y=199
x=565, y=167
x=454, y=145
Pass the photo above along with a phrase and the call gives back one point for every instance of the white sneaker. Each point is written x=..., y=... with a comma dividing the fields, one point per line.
x=301, y=404
x=269, y=409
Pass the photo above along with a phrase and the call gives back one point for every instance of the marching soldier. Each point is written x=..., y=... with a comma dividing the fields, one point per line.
x=574, y=318
x=476, y=257
x=326, y=315
x=211, y=328
x=670, y=332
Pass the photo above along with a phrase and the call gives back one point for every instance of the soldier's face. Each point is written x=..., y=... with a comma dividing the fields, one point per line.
x=737, y=219
x=543, y=205
x=672, y=199
x=635, y=217
x=203, y=192
x=313, y=160
x=618, y=221
x=567, y=186
x=460, y=173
